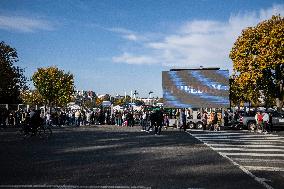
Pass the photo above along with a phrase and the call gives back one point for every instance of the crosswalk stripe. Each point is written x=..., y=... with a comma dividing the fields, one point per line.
x=213, y=143
x=218, y=134
x=259, y=168
x=241, y=137
x=243, y=140
x=252, y=154
x=259, y=180
x=245, y=149
x=247, y=160
x=247, y=145
x=250, y=150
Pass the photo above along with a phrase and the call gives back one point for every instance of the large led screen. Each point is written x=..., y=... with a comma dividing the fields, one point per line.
x=196, y=88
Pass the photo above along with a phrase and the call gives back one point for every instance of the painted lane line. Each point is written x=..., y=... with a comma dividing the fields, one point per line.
x=259, y=168
x=252, y=154
x=257, y=179
x=249, y=150
x=74, y=186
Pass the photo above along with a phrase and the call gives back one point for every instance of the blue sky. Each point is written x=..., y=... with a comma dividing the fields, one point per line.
x=113, y=46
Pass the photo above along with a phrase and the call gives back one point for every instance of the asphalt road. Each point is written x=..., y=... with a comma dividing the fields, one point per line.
x=115, y=157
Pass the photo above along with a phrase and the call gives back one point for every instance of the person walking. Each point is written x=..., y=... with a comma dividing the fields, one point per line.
x=152, y=121
x=226, y=119
x=215, y=122
x=144, y=121
x=3, y=117
x=204, y=120
x=159, y=122
x=166, y=121
x=259, y=121
x=183, y=120
x=77, y=118
x=265, y=118
x=177, y=116
x=48, y=119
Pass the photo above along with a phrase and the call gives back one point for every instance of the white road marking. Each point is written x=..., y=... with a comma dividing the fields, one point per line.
x=247, y=146
x=243, y=140
x=252, y=154
x=217, y=134
x=249, y=150
x=242, y=137
x=241, y=143
x=259, y=168
x=74, y=186
x=207, y=140
x=246, y=160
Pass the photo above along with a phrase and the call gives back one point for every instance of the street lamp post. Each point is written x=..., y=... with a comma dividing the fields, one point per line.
x=151, y=92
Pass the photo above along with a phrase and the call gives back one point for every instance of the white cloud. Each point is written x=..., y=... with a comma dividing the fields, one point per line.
x=120, y=30
x=131, y=37
x=202, y=26
x=199, y=42
x=23, y=24
x=127, y=34
x=131, y=59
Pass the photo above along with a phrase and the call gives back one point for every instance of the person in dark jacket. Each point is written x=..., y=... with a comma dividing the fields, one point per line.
x=152, y=121
x=35, y=120
x=159, y=118
x=183, y=120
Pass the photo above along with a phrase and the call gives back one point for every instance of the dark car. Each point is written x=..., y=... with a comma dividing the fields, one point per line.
x=277, y=120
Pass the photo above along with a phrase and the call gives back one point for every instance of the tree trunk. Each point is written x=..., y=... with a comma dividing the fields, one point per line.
x=279, y=87
x=279, y=104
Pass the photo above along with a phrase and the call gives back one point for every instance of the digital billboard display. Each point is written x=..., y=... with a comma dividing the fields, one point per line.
x=198, y=88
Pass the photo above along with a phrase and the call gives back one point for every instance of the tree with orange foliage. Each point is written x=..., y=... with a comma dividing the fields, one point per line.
x=258, y=61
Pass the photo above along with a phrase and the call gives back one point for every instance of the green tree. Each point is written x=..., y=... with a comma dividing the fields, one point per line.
x=107, y=97
x=99, y=102
x=139, y=102
x=32, y=97
x=55, y=86
x=257, y=57
x=12, y=79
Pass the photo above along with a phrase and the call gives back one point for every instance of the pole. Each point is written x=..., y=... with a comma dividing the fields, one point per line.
x=131, y=95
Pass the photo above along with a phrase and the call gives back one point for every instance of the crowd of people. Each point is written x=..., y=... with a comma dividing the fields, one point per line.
x=148, y=119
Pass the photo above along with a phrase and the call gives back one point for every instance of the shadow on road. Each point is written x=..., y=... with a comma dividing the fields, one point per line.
x=117, y=156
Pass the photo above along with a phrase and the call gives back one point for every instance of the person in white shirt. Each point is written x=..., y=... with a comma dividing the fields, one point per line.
x=265, y=119
x=48, y=119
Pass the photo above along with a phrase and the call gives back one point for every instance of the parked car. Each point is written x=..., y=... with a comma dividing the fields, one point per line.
x=277, y=120
x=247, y=120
